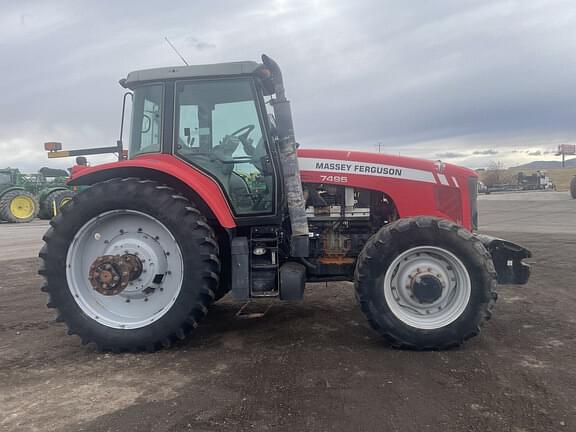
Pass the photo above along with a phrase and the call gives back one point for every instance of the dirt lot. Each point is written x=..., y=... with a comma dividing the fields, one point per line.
x=312, y=366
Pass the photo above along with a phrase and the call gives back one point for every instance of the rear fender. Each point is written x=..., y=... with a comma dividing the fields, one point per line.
x=194, y=184
x=507, y=258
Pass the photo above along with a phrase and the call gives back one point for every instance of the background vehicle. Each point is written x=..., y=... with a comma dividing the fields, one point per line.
x=24, y=197
x=51, y=191
x=214, y=198
x=482, y=188
x=17, y=204
x=536, y=181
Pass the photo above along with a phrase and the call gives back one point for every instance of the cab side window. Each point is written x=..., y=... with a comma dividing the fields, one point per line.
x=146, y=131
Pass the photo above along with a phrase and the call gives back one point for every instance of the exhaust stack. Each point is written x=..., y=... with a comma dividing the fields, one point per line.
x=289, y=160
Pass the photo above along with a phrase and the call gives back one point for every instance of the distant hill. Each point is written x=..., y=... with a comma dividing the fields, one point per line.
x=538, y=165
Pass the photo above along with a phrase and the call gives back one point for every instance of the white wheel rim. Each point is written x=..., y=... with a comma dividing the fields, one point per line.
x=427, y=287
x=146, y=299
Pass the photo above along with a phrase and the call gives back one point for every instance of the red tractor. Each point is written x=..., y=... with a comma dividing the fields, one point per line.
x=214, y=198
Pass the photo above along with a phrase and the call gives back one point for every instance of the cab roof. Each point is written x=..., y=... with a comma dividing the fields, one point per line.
x=194, y=71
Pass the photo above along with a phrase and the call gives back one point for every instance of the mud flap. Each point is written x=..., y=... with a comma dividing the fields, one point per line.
x=292, y=281
x=507, y=258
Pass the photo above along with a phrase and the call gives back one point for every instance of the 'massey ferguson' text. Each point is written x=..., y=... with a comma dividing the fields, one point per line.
x=359, y=168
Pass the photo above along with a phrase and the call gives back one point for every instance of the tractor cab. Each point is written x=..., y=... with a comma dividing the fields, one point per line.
x=7, y=177
x=213, y=119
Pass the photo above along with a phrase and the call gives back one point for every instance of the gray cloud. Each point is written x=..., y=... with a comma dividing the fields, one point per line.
x=485, y=152
x=442, y=76
x=200, y=45
x=451, y=155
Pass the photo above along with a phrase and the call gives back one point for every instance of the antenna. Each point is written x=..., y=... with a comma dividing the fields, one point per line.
x=176, y=51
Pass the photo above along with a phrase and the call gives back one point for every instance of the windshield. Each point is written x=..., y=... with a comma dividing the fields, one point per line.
x=218, y=128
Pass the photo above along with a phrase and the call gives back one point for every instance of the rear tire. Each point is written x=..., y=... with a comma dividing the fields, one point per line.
x=573, y=187
x=187, y=235
x=18, y=206
x=446, y=310
x=56, y=199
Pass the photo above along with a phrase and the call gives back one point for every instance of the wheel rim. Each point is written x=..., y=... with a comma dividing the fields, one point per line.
x=427, y=287
x=65, y=201
x=22, y=207
x=145, y=299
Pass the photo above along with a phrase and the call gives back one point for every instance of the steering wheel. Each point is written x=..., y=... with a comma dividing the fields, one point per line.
x=243, y=132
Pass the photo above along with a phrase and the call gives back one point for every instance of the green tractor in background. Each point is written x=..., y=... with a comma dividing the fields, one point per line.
x=24, y=197
x=51, y=191
x=17, y=203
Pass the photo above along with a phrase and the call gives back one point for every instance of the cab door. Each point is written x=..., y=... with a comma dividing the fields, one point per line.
x=219, y=128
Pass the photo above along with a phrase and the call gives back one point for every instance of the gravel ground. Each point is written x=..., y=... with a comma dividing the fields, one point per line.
x=310, y=366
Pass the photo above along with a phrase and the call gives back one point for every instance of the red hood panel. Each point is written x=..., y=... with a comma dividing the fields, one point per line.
x=385, y=159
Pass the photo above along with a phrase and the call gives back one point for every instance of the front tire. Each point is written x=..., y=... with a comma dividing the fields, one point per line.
x=573, y=187
x=137, y=218
x=425, y=283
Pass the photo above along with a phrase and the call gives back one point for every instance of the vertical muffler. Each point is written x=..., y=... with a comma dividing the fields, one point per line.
x=289, y=161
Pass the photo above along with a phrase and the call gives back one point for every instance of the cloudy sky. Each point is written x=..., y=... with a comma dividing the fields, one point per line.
x=466, y=81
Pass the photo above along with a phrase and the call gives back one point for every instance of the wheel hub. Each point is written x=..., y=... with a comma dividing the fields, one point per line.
x=427, y=288
x=110, y=274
